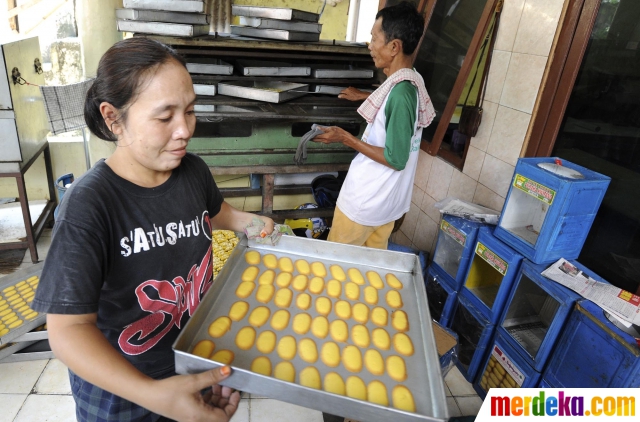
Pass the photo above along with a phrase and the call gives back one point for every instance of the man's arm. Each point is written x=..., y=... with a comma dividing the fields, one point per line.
x=333, y=134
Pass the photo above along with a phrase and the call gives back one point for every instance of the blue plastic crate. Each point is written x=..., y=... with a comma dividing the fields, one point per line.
x=455, y=246
x=503, y=367
x=491, y=274
x=547, y=216
x=441, y=297
x=544, y=384
x=593, y=353
x=536, y=312
x=475, y=333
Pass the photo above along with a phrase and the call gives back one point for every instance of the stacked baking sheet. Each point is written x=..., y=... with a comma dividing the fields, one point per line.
x=184, y=18
x=276, y=23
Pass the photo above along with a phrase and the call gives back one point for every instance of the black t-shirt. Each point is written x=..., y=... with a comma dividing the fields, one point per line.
x=139, y=257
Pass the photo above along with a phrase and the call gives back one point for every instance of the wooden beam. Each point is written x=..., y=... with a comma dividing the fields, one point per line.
x=14, y=12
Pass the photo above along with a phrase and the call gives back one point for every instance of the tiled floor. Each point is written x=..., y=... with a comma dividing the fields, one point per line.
x=39, y=390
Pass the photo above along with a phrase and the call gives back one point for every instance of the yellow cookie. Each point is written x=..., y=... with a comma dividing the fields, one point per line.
x=270, y=261
x=402, y=398
x=339, y=330
x=280, y=319
x=259, y=316
x=393, y=281
x=219, y=327
x=204, y=348
x=245, y=338
x=8, y=289
x=300, y=282
x=356, y=388
x=261, y=365
x=320, y=327
x=334, y=288
x=371, y=295
x=310, y=377
x=223, y=356
x=284, y=279
x=374, y=362
x=6, y=314
x=352, y=359
x=303, y=267
x=318, y=269
x=307, y=350
x=360, y=313
x=13, y=297
x=333, y=383
x=285, y=371
x=323, y=305
x=238, y=310
x=32, y=278
x=343, y=309
x=4, y=307
x=316, y=285
x=287, y=348
x=396, y=368
x=285, y=264
x=17, y=302
x=252, y=257
x=9, y=322
x=352, y=291
x=301, y=323
x=337, y=272
x=283, y=298
x=24, y=287
x=31, y=315
x=3, y=331
x=267, y=277
x=375, y=280
x=393, y=298
x=356, y=276
x=330, y=354
x=265, y=292
x=360, y=336
x=244, y=289
x=377, y=393
x=402, y=343
x=266, y=342
x=399, y=321
x=303, y=301
x=250, y=274
x=379, y=316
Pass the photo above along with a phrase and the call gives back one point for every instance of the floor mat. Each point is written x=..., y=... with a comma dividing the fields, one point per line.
x=10, y=260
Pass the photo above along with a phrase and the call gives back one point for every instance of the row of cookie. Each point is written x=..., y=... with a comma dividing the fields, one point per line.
x=14, y=304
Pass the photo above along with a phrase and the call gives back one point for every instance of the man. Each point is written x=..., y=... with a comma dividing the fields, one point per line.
x=377, y=189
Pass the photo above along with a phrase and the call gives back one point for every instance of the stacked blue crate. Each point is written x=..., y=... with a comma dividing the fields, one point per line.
x=441, y=297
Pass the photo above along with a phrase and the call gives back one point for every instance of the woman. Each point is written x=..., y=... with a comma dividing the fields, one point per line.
x=130, y=257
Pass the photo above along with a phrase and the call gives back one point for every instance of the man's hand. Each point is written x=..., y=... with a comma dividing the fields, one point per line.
x=353, y=94
x=332, y=134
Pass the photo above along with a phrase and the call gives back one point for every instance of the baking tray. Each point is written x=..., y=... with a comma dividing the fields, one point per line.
x=12, y=280
x=274, y=34
x=209, y=66
x=204, y=89
x=262, y=23
x=264, y=68
x=333, y=90
x=168, y=5
x=282, y=13
x=263, y=90
x=340, y=72
x=425, y=380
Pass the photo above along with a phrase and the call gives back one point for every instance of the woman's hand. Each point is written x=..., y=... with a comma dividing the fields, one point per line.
x=353, y=94
x=268, y=226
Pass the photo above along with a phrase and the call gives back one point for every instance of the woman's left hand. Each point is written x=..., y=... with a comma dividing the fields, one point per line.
x=268, y=226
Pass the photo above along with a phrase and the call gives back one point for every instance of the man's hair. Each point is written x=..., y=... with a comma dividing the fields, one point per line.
x=402, y=22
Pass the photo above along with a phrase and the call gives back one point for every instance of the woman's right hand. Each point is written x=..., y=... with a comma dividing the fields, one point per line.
x=353, y=94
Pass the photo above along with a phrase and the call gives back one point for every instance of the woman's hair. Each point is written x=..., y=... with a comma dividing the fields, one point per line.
x=121, y=72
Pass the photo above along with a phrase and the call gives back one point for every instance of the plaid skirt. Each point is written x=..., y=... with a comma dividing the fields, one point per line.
x=93, y=404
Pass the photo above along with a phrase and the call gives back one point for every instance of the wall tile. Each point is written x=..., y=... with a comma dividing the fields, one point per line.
x=400, y=238
x=508, y=134
x=423, y=169
x=496, y=175
x=469, y=406
x=497, y=73
x=462, y=186
x=426, y=231
x=509, y=22
x=473, y=163
x=481, y=140
x=522, y=83
x=408, y=226
x=538, y=25
x=428, y=207
x=416, y=195
x=488, y=198
x=439, y=179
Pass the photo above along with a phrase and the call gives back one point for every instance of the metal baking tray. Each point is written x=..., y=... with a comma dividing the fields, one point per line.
x=424, y=376
x=209, y=66
x=168, y=5
x=262, y=23
x=269, y=91
x=274, y=34
x=204, y=89
x=12, y=280
x=340, y=72
x=282, y=13
x=264, y=68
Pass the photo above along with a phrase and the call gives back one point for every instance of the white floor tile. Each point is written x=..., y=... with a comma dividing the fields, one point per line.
x=447, y=391
x=50, y=408
x=268, y=410
x=10, y=405
x=469, y=406
x=20, y=377
x=458, y=385
x=54, y=379
x=454, y=410
x=242, y=414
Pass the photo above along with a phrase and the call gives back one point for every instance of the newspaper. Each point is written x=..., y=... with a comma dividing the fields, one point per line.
x=473, y=212
x=620, y=303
